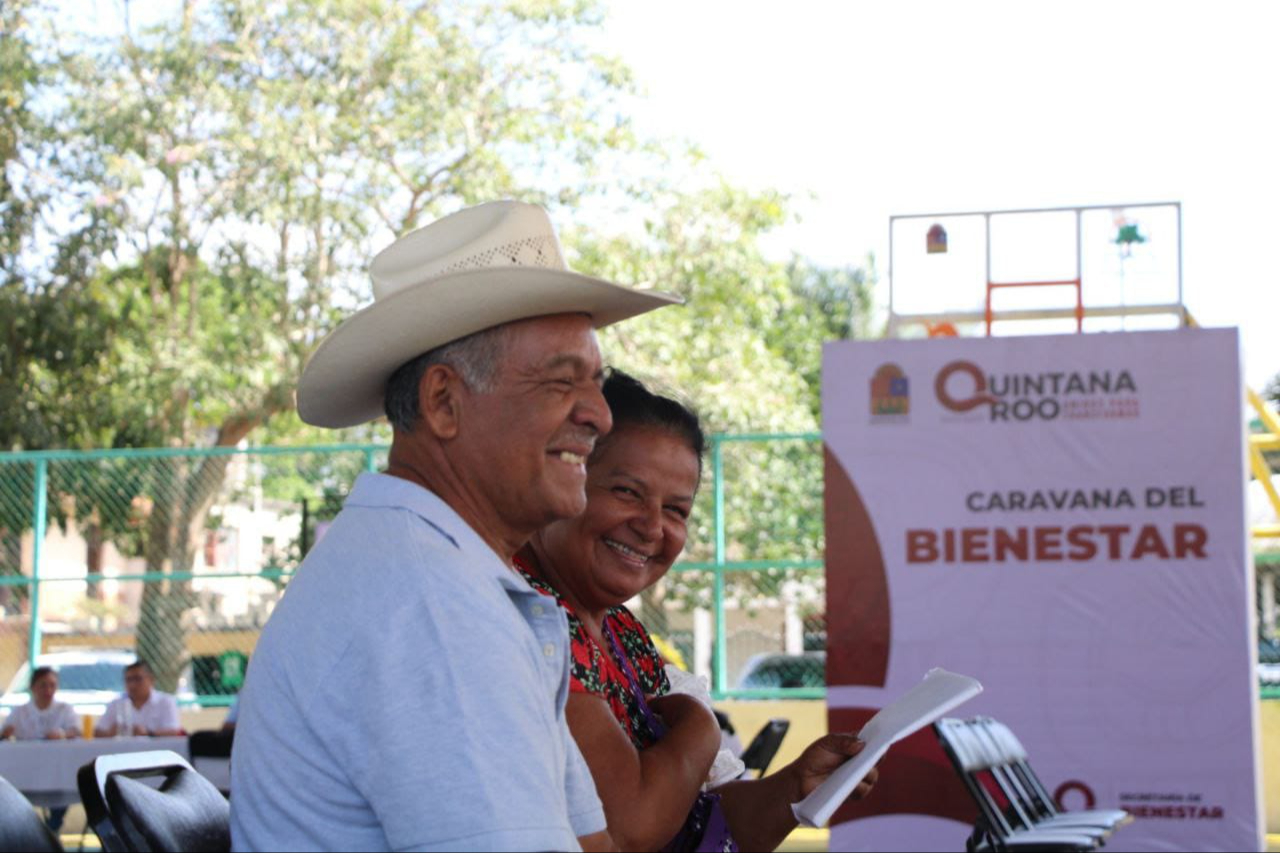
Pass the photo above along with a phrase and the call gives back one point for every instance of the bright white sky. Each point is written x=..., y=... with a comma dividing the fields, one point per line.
x=877, y=107
x=883, y=107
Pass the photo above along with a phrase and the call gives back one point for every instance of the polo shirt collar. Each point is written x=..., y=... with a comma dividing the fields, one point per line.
x=385, y=491
x=151, y=700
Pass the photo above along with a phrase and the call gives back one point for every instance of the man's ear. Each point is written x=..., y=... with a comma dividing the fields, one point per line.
x=439, y=400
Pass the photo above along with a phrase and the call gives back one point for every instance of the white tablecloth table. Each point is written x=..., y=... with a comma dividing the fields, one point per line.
x=45, y=770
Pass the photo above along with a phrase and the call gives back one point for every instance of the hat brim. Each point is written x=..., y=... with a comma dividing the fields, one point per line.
x=344, y=382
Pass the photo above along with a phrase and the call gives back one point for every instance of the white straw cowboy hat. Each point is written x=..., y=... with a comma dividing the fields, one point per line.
x=478, y=268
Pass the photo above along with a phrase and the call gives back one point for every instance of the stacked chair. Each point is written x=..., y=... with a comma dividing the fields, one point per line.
x=1016, y=812
x=153, y=801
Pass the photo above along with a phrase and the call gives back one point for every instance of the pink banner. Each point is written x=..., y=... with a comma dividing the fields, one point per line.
x=1062, y=518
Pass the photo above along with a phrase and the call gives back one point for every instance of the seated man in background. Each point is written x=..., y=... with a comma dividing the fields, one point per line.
x=142, y=711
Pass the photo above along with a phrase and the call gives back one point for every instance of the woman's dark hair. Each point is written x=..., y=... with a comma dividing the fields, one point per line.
x=39, y=673
x=632, y=404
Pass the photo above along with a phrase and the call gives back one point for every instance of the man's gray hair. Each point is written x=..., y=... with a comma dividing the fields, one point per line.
x=475, y=357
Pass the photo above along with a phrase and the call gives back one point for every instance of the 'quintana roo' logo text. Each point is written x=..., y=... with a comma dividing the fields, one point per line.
x=962, y=386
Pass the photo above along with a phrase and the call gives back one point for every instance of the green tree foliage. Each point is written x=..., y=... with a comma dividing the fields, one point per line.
x=58, y=353
x=832, y=304
x=19, y=204
x=19, y=76
x=227, y=174
x=705, y=246
x=745, y=351
x=220, y=180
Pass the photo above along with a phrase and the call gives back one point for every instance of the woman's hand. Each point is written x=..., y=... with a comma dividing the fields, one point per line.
x=759, y=810
x=821, y=758
x=56, y=734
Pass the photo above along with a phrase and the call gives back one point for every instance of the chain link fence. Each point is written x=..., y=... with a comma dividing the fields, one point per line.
x=175, y=556
x=179, y=557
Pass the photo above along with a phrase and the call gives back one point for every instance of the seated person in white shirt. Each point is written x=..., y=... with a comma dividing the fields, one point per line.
x=142, y=710
x=42, y=718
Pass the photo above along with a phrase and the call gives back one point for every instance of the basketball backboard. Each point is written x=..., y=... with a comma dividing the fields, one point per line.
x=1089, y=268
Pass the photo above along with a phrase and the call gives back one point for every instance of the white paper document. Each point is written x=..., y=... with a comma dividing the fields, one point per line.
x=936, y=695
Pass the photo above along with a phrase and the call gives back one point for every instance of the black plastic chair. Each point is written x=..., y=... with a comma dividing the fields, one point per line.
x=764, y=746
x=20, y=826
x=210, y=744
x=723, y=719
x=184, y=813
x=210, y=753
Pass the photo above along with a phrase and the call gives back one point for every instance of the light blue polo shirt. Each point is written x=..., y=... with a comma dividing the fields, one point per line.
x=408, y=693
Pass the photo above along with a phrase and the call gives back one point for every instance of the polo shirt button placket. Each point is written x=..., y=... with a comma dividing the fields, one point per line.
x=549, y=650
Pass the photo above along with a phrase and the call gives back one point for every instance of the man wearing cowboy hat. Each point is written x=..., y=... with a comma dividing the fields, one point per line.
x=409, y=690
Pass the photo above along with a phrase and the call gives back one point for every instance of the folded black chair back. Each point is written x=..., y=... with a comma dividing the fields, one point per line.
x=210, y=744
x=20, y=826
x=764, y=746
x=184, y=813
x=210, y=753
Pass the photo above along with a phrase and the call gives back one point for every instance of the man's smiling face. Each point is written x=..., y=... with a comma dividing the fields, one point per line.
x=525, y=442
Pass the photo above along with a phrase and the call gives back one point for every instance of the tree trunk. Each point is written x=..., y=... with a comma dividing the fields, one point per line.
x=161, y=636
x=186, y=490
x=94, y=545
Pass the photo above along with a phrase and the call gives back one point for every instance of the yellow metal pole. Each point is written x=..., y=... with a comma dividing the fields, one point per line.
x=1269, y=440
x=1269, y=420
x=1265, y=441
x=1262, y=471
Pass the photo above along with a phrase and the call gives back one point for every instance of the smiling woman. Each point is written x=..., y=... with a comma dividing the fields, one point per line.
x=651, y=749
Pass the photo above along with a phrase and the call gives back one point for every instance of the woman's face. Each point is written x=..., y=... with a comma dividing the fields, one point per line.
x=641, y=483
